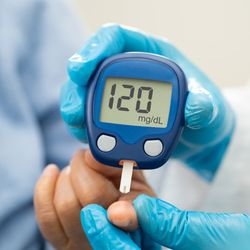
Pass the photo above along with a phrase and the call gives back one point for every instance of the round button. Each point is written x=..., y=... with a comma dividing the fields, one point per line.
x=153, y=147
x=106, y=143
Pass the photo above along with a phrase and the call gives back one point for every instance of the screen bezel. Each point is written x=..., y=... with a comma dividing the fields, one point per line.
x=141, y=69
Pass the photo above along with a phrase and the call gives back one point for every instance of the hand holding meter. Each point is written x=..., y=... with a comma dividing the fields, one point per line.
x=209, y=119
x=135, y=112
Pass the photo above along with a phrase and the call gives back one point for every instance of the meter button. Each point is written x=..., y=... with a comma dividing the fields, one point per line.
x=153, y=147
x=106, y=143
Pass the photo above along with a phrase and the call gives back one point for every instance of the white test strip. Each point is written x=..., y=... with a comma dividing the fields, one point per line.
x=127, y=172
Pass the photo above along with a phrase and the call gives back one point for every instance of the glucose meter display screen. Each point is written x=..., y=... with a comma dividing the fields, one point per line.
x=136, y=102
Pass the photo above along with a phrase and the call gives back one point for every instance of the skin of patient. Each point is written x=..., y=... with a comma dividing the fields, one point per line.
x=60, y=196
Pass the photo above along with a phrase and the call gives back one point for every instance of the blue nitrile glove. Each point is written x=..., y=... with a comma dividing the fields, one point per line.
x=168, y=226
x=208, y=117
x=103, y=235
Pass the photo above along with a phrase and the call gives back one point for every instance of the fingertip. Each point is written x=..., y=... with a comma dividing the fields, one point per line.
x=81, y=65
x=100, y=232
x=78, y=70
x=46, y=182
x=200, y=109
x=122, y=214
x=50, y=170
x=106, y=42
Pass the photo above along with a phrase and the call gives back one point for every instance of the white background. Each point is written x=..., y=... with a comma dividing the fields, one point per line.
x=215, y=34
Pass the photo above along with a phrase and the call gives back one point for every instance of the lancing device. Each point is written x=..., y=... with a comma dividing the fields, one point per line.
x=135, y=112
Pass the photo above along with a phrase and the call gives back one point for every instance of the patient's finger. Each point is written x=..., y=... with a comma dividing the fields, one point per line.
x=101, y=233
x=44, y=207
x=111, y=172
x=122, y=214
x=105, y=170
x=89, y=185
x=68, y=209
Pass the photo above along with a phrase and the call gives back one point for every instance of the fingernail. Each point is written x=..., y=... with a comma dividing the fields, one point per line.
x=48, y=171
x=67, y=170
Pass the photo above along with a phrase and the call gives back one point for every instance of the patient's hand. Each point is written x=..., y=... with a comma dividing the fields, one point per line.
x=59, y=197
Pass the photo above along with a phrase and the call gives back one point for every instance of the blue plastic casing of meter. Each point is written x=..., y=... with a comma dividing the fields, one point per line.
x=123, y=129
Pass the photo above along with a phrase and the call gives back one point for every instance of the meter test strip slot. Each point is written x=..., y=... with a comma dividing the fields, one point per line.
x=135, y=112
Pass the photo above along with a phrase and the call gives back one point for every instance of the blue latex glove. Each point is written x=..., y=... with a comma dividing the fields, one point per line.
x=209, y=119
x=163, y=223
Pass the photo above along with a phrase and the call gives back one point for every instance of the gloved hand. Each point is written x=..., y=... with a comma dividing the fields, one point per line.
x=168, y=226
x=208, y=117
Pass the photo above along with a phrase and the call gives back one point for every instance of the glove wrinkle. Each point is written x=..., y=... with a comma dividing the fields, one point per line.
x=101, y=233
x=185, y=230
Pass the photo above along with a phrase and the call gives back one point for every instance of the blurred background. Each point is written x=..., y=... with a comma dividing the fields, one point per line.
x=213, y=34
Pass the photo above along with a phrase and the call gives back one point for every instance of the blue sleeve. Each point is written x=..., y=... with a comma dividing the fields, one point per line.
x=37, y=37
x=54, y=34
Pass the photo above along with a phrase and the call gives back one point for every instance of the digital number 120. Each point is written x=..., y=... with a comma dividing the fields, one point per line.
x=142, y=90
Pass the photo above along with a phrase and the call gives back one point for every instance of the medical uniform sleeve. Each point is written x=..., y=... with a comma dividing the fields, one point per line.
x=55, y=36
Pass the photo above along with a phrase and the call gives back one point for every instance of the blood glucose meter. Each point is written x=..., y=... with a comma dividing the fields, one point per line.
x=135, y=111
